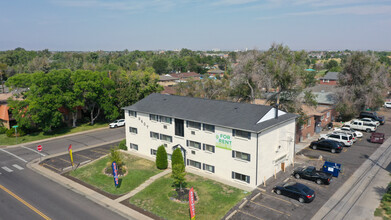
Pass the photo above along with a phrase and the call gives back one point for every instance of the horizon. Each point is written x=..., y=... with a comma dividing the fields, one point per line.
x=151, y=25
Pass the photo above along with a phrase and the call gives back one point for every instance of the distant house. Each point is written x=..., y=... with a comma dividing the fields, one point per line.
x=326, y=95
x=168, y=90
x=216, y=72
x=5, y=114
x=167, y=80
x=331, y=78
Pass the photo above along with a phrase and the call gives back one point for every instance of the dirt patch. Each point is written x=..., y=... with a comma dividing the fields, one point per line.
x=108, y=171
x=142, y=211
x=182, y=195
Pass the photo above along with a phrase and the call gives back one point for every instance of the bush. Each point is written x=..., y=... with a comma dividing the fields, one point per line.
x=161, y=158
x=11, y=132
x=115, y=155
x=122, y=145
x=3, y=130
x=177, y=157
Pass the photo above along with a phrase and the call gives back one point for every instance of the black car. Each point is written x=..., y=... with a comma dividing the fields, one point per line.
x=330, y=145
x=374, y=116
x=310, y=173
x=296, y=191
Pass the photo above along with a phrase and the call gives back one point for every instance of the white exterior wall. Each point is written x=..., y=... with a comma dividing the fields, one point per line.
x=269, y=151
x=221, y=159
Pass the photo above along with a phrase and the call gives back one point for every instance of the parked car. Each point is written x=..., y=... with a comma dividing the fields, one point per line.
x=371, y=121
x=373, y=115
x=117, y=123
x=297, y=191
x=345, y=139
x=330, y=145
x=387, y=104
x=345, y=128
x=354, y=136
x=310, y=173
x=377, y=138
x=361, y=125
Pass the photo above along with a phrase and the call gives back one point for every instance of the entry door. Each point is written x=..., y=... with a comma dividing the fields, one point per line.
x=283, y=167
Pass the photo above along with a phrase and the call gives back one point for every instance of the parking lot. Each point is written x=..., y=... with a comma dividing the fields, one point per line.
x=62, y=163
x=264, y=204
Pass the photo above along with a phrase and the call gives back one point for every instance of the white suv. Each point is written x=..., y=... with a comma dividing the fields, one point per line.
x=345, y=139
x=370, y=121
x=117, y=123
x=387, y=104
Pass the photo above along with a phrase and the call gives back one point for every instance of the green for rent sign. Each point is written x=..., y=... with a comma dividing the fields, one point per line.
x=224, y=141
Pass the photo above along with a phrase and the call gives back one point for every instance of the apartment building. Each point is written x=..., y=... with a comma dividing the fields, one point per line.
x=235, y=142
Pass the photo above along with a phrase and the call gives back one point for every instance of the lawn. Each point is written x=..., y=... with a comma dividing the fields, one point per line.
x=139, y=170
x=4, y=140
x=214, y=199
x=384, y=210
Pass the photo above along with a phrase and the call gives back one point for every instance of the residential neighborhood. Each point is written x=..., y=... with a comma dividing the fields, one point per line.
x=231, y=110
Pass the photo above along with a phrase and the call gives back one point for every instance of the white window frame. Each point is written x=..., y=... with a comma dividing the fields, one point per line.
x=153, y=117
x=154, y=133
x=132, y=130
x=240, y=177
x=194, y=163
x=205, y=147
x=208, y=130
x=163, y=138
x=132, y=113
x=133, y=146
x=192, y=124
x=193, y=144
x=241, y=155
x=165, y=119
x=207, y=167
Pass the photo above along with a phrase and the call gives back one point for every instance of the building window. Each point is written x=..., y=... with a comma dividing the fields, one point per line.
x=241, y=177
x=241, y=155
x=192, y=152
x=133, y=146
x=164, y=137
x=328, y=114
x=132, y=113
x=153, y=152
x=194, y=144
x=209, y=148
x=242, y=134
x=192, y=124
x=210, y=128
x=154, y=135
x=133, y=130
x=194, y=163
x=165, y=119
x=179, y=131
x=169, y=156
x=153, y=117
x=193, y=132
x=309, y=122
x=209, y=168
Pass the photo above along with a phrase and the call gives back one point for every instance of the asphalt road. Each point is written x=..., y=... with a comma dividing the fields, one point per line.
x=27, y=195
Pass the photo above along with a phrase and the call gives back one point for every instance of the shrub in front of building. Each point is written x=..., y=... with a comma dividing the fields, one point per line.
x=177, y=157
x=161, y=158
x=122, y=145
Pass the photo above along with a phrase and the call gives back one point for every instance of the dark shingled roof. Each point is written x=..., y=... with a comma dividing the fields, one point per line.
x=241, y=116
x=330, y=76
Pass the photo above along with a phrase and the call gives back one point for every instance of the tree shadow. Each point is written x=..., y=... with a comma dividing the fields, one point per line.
x=387, y=168
x=119, y=183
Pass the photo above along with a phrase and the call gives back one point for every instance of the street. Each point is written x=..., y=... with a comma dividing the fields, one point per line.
x=25, y=194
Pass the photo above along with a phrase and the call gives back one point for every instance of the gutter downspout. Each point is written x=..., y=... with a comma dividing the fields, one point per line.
x=256, y=165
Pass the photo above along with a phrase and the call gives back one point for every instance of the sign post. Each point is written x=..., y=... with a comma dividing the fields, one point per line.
x=115, y=173
x=70, y=154
x=191, y=204
x=39, y=148
x=16, y=132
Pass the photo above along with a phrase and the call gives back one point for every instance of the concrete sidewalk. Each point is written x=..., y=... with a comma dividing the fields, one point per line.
x=361, y=194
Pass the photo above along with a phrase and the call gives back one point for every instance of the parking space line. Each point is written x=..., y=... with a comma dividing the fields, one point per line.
x=278, y=198
x=18, y=167
x=270, y=208
x=84, y=156
x=13, y=155
x=45, y=164
x=33, y=151
x=249, y=214
x=65, y=160
x=7, y=169
x=101, y=152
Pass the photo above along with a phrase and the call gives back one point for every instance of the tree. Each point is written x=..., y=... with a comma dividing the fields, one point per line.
x=160, y=66
x=331, y=64
x=115, y=155
x=161, y=158
x=177, y=157
x=363, y=80
x=178, y=174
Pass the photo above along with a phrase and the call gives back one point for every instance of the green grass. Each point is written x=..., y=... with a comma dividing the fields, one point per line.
x=384, y=209
x=139, y=170
x=214, y=199
x=4, y=140
x=321, y=73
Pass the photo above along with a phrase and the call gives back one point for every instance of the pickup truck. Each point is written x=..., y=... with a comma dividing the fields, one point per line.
x=361, y=125
x=310, y=173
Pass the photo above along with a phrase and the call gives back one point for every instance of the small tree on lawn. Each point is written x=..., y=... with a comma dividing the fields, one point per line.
x=161, y=158
x=177, y=157
x=115, y=155
x=178, y=174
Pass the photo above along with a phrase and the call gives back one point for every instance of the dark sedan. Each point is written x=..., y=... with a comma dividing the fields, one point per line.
x=296, y=191
x=329, y=145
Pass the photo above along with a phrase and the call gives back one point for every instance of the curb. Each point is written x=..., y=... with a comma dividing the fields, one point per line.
x=92, y=195
x=52, y=138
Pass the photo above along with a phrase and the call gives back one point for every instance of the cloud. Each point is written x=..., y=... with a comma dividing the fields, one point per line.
x=350, y=10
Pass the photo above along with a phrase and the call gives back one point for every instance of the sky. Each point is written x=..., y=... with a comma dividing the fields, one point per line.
x=112, y=25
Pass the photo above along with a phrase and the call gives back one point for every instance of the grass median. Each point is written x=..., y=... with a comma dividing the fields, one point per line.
x=214, y=199
x=139, y=170
x=4, y=140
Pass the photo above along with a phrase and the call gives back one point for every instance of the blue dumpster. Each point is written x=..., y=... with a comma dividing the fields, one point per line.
x=333, y=168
